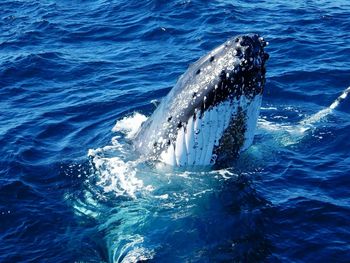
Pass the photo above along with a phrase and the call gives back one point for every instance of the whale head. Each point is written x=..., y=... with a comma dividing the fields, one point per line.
x=210, y=115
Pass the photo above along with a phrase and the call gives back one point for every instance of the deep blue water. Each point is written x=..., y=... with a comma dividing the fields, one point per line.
x=70, y=69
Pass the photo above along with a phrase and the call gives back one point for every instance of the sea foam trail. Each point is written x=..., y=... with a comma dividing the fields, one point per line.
x=298, y=130
x=325, y=112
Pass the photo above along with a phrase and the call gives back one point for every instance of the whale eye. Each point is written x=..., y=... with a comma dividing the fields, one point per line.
x=239, y=53
x=169, y=119
x=212, y=58
x=198, y=71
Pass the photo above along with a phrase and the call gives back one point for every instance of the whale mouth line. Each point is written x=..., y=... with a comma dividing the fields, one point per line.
x=211, y=113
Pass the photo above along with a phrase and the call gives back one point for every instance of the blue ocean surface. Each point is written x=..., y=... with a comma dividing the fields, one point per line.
x=72, y=190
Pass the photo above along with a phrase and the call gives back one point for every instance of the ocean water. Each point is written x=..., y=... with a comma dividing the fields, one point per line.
x=77, y=78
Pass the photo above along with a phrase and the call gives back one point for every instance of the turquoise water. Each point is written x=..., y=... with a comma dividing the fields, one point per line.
x=72, y=190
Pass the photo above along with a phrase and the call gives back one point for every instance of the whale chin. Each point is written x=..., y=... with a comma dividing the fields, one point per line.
x=210, y=116
x=215, y=136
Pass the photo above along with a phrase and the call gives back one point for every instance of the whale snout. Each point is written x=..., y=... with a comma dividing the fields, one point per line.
x=240, y=67
x=250, y=51
x=253, y=44
x=211, y=113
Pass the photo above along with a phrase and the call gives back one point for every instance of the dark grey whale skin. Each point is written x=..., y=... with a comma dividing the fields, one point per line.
x=192, y=96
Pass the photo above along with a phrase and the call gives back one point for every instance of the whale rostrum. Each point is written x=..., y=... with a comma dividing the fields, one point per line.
x=210, y=115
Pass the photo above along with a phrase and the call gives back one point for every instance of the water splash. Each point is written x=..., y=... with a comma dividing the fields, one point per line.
x=115, y=165
x=130, y=125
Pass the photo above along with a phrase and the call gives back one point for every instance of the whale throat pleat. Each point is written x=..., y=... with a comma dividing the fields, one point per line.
x=189, y=135
x=180, y=148
x=213, y=124
x=205, y=135
x=199, y=139
x=252, y=115
x=168, y=156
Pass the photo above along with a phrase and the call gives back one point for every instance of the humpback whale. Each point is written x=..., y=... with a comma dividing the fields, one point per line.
x=210, y=115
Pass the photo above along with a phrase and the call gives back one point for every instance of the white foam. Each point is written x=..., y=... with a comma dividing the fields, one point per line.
x=284, y=134
x=130, y=125
x=289, y=133
x=116, y=174
x=325, y=112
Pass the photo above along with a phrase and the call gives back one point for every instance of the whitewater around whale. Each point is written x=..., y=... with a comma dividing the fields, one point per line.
x=118, y=171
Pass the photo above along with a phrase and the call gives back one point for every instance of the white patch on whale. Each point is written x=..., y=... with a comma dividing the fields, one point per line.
x=195, y=142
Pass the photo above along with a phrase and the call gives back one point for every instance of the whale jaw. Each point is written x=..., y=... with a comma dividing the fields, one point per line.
x=210, y=115
x=220, y=134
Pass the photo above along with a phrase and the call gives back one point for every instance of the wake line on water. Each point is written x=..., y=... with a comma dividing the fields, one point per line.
x=325, y=112
x=290, y=133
